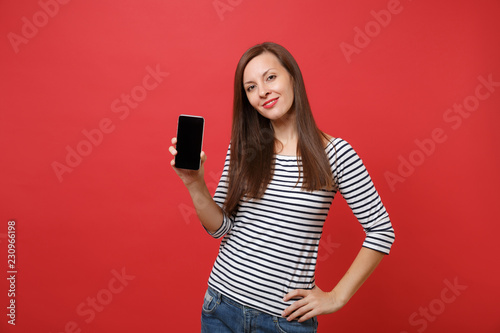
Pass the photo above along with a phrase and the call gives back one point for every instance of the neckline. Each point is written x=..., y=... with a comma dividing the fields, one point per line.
x=289, y=156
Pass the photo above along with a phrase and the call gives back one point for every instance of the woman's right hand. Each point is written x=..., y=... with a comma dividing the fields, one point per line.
x=188, y=177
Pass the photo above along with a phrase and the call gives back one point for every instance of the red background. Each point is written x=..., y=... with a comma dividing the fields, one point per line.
x=123, y=209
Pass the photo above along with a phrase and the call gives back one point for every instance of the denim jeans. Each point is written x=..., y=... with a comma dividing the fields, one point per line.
x=221, y=314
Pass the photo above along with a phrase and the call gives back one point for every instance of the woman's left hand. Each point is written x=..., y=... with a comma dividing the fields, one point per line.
x=314, y=302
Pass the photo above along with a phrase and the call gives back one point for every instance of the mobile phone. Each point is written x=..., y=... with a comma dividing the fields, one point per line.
x=189, y=141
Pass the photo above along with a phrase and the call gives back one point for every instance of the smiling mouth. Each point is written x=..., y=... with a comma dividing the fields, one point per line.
x=270, y=103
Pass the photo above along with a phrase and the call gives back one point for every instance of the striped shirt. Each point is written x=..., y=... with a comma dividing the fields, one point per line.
x=270, y=245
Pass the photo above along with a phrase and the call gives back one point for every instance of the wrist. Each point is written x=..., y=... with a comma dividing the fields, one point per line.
x=196, y=185
x=339, y=297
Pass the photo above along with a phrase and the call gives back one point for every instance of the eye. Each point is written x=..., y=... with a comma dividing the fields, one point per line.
x=271, y=77
x=250, y=87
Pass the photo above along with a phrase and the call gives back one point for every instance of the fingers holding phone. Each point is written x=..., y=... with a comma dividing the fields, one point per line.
x=173, y=151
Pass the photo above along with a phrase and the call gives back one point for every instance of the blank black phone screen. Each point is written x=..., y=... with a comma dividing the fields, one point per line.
x=189, y=142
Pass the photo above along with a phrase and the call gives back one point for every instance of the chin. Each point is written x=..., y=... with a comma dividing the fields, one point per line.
x=273, y=114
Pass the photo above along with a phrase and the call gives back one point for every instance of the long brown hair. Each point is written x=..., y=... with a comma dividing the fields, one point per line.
x=253, y=142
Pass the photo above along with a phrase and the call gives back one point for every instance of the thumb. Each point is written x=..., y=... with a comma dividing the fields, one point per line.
x=203, y=157
x=295, y=293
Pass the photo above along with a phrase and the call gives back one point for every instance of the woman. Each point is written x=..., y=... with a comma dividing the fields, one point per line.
x=278, y=183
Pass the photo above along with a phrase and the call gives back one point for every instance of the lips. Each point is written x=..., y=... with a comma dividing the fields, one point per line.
x=270, y=103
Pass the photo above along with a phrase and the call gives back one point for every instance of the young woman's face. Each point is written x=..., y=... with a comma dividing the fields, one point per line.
x=269, y=86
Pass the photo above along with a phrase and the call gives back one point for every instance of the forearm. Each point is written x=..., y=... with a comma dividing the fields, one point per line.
x=363, y=265
x=209, y=213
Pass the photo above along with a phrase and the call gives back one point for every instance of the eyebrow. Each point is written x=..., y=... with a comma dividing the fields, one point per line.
x=263, y=74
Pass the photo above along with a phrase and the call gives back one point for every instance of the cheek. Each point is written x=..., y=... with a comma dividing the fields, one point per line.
x=253, y=101
x=287, y=89
x=290, y=97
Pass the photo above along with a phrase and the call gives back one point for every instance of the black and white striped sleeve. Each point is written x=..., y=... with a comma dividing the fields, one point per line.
x=357, y=188
x=219, y=198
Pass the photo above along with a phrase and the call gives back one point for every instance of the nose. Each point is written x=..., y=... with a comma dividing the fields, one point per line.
x=263, y=92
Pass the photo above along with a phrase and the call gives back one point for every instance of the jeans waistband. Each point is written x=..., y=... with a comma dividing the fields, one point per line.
x=228, y=300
